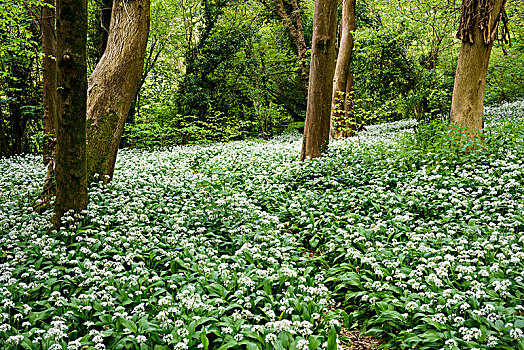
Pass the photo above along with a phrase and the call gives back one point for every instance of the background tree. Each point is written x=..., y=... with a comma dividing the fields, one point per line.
x=478, y=29
x=245, y=80
x=322, y=68
x=506, y=67
x=290, y=14
x=47, y=28
x=20, y=81
x=342, y=123
x=404, y=59
x=98, y=30
x=71, y=45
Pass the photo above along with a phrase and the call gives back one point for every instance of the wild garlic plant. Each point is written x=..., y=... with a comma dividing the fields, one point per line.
x=240, y=245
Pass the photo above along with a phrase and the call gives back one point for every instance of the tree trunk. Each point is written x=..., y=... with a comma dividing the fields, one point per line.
x=478, y=29
x=15, y=93
x=113, y=84
x=322, y=68
x=352, y=124
x=71, y=45
x=342, y=124
x=47, y=26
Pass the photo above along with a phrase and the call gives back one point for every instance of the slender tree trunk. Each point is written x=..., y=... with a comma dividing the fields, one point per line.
x=71, y=45
x=113, y=84
x=106, y=7
x=15, y=94
x=349, y=107
x=47, y=25
x=341, y=123
x=318, y=115
x=478, y=29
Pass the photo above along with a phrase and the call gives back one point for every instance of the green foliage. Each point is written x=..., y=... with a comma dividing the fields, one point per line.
x=20, y=82
x=99, y=16
x=504, y=80
x=437, y=141
x=404, y=66
x=237, y=80
x=384, y=71
x=240, y=246
x=431, y=96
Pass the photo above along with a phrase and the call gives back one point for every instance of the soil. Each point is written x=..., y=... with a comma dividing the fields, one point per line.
x=357, y=342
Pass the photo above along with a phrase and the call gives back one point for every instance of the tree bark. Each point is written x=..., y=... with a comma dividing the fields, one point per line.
x=47, y=27
x=477, y=31
x=322, y=68
x=113, y=84
x=342, y=124
x=71, y=45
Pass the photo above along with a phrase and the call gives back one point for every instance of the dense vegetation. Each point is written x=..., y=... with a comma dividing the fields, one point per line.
x=403, y=234
x=228, y=70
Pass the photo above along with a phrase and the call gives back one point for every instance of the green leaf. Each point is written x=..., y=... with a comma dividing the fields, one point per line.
x=129, y=325
x=314, y=342
x=37, y=316
x=97, y=306
x=267, y=287
x=332, y=339
x=228, y=345
x=204, y=340
x=389, y=315
x=143, y=323
x=252, y=346
x=278, y=345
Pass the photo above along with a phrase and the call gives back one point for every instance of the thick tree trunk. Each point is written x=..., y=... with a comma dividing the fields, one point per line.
x=318, y=115
x=113, y=84
x=71, y=45
x=47, y=25
x=341, y=117
x=477, y=31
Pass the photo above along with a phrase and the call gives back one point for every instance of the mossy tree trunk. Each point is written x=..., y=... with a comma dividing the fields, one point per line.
x=113, y=84
x=322, y=68
x=342, y=123
x=71, y=45
x=478, y=30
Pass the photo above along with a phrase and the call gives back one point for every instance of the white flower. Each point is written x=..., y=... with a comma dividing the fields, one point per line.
x=516, y=333
x=271, y=338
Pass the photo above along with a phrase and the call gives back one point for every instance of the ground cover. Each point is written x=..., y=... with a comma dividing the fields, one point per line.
x=239, y=245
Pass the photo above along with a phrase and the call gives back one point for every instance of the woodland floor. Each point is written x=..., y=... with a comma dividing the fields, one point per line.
x=404, y=237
